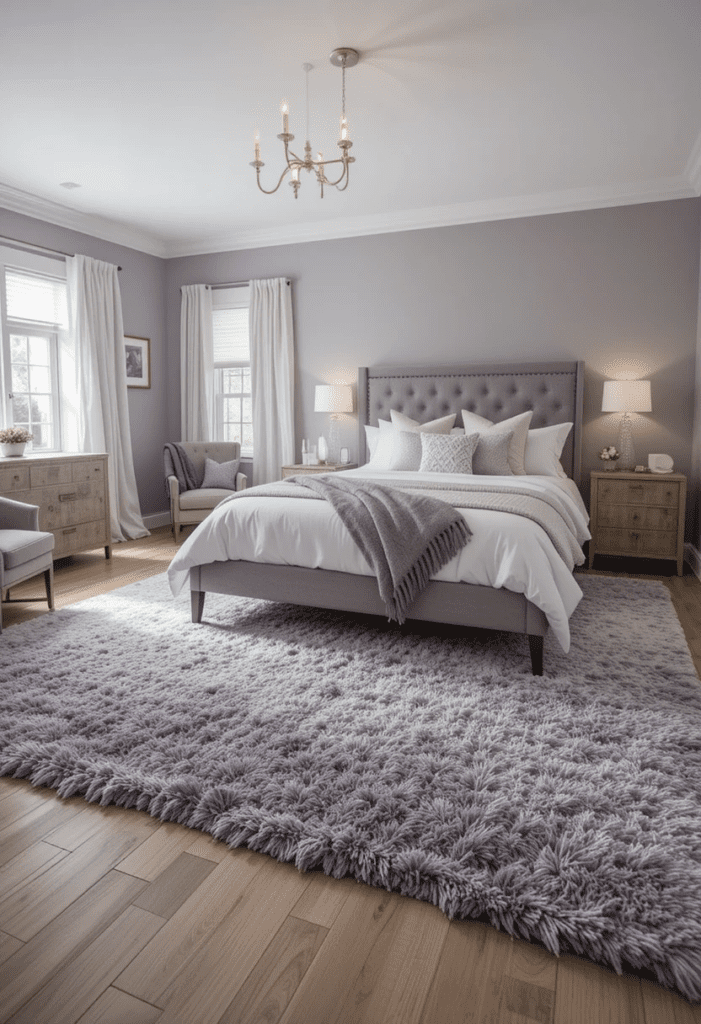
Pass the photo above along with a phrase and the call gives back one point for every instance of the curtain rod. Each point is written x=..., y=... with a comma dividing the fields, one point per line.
x=53, y=253
x=233, y=284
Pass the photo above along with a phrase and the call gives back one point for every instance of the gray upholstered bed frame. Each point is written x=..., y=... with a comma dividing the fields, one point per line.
x=554, y=391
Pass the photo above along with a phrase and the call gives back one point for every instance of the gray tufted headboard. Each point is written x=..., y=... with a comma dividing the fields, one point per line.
x=554, y=391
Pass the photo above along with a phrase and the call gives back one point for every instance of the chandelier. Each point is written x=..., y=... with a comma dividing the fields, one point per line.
x=343, y=58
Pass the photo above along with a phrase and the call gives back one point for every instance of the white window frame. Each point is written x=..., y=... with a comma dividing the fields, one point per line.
x=229, y=298
x=45, y=267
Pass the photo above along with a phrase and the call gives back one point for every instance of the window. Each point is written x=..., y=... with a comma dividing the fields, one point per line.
x=233, y=418
x=34, y=315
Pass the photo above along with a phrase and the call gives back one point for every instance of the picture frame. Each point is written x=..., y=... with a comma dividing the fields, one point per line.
x=137, y=356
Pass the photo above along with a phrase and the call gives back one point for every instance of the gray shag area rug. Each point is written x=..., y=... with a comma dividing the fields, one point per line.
x=565, y=809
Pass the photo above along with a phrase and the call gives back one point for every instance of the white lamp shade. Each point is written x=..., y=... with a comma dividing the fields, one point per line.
x=627, y=396
x=333, y=398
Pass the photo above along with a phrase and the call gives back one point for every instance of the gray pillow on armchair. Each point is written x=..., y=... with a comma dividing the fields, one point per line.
x=220, y=474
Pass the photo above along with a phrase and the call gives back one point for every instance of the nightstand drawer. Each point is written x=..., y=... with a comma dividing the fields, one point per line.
x=14, y=478
x=632, y=492
x=638, y=517
x=650, y=543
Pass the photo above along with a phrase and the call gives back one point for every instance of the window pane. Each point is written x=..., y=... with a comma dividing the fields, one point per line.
x=247, y=381
x=232, y=410
x=41, y=408
x=246, y=411
x=232, y=432
x=247, y=439
x=43, y=435
x=20, y=378
x=39, y=351
x=41, y=379
x=20, y=409
x=18, y=348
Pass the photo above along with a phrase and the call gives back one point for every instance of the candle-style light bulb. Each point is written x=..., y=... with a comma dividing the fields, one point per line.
x=320, y=158
x=295, y=172
x=344, y=129
x=257, y=143
x=285, y=111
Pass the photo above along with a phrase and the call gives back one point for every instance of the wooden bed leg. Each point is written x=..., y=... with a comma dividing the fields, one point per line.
x=197, y=604
x=536, y=645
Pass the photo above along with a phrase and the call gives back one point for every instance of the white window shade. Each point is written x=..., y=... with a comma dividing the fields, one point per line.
x=230, y=336
x=33, y=298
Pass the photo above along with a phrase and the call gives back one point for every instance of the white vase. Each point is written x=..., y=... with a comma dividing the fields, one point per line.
x=9, y=450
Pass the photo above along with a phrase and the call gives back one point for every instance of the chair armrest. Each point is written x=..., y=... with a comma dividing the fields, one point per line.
x=241, y=481
x=173, y=488
x=18, y=515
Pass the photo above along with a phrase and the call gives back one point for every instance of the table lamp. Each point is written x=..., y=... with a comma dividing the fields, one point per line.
x=336, y=399
x=626, y=396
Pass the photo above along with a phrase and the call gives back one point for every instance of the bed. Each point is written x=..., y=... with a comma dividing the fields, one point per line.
x=214, y=563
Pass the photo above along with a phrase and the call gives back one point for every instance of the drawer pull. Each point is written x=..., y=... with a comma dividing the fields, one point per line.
x=67, y=497
x=71, y=529
x=635, y=487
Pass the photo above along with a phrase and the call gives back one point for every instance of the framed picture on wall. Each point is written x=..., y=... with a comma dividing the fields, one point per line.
x=137, y=352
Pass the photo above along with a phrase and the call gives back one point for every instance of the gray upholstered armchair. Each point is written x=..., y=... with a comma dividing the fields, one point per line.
x=25, y=551
x=193, y=506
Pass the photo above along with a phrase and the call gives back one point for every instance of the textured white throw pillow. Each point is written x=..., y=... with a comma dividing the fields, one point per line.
x=447, y=453
x=439, y=426
x=220, y=474
x=518, y=424
x=544, y=448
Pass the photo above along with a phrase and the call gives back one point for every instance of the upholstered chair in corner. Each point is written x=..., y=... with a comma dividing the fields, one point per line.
x=25, y=550
x=193, y=506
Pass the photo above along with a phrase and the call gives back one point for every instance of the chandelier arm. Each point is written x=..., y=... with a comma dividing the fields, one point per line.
x=344, y=174
x=342, y=188
x=270, y=191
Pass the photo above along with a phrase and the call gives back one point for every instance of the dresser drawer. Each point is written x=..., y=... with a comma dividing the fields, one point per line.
x=93, y=469
x=81, y=537
x=641, y=517
x=650, y=543
x=68, y=504
x=630, y=492
x=50, y=473
x=14, y=478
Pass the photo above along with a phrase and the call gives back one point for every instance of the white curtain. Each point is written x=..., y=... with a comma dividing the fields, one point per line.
x=272, y=378
x=196, y=363
x=100, y=408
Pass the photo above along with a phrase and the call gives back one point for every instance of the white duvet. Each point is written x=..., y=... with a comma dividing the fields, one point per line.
x=505, y=550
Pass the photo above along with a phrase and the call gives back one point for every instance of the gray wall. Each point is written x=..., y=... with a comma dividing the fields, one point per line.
x=617, y=288
x=142, y=284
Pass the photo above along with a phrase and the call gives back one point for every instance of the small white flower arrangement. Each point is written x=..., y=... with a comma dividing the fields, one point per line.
x=610, y=454
x=15, y=435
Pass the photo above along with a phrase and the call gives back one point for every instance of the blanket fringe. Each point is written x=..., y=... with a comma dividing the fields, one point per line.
x=444, y=546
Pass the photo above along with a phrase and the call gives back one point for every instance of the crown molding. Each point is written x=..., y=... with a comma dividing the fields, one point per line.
x=86, y=223
x=684, y=186
x=569, y=201
x=693, y=167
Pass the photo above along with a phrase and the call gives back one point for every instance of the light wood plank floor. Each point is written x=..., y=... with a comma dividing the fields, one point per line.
x=108, y=916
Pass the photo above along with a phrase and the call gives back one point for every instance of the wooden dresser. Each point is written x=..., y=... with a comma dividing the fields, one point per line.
x=638, y=514
x=72, y=495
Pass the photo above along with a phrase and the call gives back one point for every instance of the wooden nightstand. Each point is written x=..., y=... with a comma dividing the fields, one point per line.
x=334, y=467
x=638, y=514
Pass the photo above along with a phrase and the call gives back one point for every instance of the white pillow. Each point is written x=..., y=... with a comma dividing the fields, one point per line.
x=491, y=456
x=543, y=449
x=517, y=446
x=450, y=453
x=439, y=426
x=372, y=436
x=396, y=450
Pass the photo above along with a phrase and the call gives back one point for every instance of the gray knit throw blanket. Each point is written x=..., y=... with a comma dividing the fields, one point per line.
x=404, y=538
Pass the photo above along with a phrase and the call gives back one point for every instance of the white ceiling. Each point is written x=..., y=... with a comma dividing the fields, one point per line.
x=458, y=112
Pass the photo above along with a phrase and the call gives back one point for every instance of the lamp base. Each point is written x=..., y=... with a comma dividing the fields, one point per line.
x=625, y=444
x=334, y=454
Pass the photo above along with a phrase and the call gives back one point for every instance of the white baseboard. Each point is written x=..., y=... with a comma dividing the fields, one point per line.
x=692, y=555
x=156, y=519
